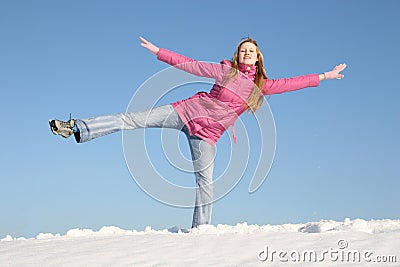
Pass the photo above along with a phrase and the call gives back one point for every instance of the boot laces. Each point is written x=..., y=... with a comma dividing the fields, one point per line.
x=67, y=124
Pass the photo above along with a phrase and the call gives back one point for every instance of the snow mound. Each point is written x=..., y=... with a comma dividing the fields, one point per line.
x=373, y=226
x=104, y=231
x=357, y=225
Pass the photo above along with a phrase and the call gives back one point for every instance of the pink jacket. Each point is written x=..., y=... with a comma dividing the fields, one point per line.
x=208, y=115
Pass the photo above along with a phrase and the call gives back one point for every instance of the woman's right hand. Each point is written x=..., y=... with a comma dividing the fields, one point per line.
x=152, y=48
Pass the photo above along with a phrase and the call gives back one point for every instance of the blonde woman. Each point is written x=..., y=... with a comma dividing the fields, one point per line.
x=240, y=85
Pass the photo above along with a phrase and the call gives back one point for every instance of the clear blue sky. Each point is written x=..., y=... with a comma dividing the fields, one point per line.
x=337, y=145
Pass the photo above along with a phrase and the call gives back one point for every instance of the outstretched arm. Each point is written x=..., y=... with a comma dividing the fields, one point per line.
x=290, y=84
x=204, y=69
x=333, y=74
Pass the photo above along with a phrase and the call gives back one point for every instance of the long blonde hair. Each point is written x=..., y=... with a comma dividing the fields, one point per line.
x=256, y=97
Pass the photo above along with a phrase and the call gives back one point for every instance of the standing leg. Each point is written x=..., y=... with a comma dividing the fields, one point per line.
x=203, y=154
x=159, y=117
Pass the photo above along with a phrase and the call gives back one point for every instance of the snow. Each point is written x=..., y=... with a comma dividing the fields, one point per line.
x=327, y=243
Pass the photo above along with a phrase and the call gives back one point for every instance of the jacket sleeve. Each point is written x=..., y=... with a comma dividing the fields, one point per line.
x=289, y=84
x=204, y=69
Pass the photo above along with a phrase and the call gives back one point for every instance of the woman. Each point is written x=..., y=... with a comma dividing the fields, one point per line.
x=240, y=85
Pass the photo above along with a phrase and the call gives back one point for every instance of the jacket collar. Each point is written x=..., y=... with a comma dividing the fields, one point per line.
x=248, y=70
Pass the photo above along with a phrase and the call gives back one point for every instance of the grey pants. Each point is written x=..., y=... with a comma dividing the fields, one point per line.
x=161, y=117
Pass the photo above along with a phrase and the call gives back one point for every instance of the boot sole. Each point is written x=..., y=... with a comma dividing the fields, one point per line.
x=53, y=125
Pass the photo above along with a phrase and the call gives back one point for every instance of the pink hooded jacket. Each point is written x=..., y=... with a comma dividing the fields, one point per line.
x=208, y=115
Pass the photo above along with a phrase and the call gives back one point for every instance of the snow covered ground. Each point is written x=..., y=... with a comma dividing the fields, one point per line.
x=328, y=243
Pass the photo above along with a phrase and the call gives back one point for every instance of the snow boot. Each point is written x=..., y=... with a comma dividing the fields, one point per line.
x=63, y=128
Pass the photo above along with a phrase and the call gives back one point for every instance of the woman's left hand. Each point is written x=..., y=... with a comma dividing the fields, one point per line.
x=152, y=48
x=335, y=73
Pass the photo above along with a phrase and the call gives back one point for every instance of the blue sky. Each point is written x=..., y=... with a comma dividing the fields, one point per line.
x=337, y=145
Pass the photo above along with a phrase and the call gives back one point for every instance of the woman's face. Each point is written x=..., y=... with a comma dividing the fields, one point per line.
x=248, y=53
